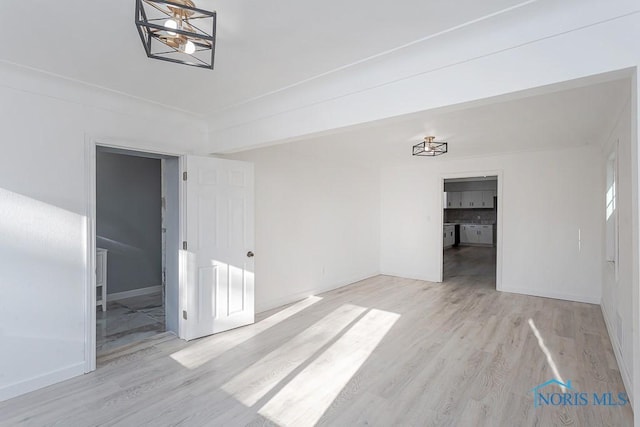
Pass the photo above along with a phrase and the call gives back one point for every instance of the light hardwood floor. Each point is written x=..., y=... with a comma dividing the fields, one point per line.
x=384, y=351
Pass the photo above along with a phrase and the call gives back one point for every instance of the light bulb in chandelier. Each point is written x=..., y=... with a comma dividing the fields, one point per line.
x=189, y=47
x=172, y=25
x=428, y=141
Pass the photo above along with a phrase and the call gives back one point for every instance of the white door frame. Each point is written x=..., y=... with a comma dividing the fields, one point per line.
x=499, y=220
x=91, y=145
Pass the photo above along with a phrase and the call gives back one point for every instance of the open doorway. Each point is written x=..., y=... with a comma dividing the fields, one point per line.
x=137, y=235
x=470, y=224
x=209, y=266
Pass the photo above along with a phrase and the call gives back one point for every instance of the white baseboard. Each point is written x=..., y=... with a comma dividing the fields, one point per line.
x=405, y=276
x=617, y=350
x=35, y=383
x=530, y=292
x=291, y=298
x=133, y=293
x=554, y=295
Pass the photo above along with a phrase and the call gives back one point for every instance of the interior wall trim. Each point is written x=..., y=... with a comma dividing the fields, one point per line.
x=617, y=350
x=40, y=381
x=116, y=296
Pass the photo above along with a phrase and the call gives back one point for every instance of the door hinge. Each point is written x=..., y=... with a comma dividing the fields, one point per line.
x=184, y=314
x=184, y=176
x=184, y=245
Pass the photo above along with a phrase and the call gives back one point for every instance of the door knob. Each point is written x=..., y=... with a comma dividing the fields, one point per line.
x=250, y=254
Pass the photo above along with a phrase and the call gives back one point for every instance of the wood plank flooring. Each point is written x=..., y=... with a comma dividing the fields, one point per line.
x=384, y=351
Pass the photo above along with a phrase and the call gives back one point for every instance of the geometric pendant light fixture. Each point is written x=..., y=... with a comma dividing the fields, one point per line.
x=430, y=147
x=177, y=31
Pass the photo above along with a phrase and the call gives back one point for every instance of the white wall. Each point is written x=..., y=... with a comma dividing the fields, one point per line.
x=317, y=223
x=45, y=122
x=129, y=220
x=547, y=196
x=617, y=293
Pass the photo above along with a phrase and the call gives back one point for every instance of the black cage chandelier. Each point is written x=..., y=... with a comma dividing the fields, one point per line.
x=177, y=31
x=430, y=147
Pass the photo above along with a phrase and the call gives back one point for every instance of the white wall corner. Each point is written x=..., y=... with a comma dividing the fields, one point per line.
x=423, y=277
x=635, y=228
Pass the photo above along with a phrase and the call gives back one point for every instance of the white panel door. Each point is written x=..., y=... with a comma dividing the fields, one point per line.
x=218, y=291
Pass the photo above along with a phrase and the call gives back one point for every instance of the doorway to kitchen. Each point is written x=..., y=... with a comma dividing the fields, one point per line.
x=470, y=231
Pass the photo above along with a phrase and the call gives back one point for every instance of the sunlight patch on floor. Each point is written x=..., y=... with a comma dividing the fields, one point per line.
x=547, y=353
x=207, y=349
x=304, y=400
x=258, y=379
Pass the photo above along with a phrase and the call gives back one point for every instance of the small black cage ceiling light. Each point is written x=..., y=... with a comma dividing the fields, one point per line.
x=177, y=31
x=430, y=147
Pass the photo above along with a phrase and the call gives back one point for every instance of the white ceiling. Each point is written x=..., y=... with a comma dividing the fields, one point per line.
x=564, y=118
x=262, y=46
x=268, y=46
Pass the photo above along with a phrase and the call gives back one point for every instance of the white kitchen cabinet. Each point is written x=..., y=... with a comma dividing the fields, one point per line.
x=468, y=233
x=476, y=234
x=487, y=199
x=485, y=234
x=449, y=236
x=471, y=199
x=453, y=199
